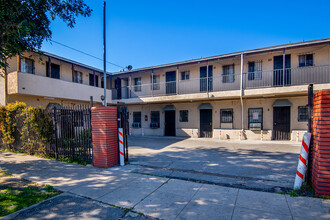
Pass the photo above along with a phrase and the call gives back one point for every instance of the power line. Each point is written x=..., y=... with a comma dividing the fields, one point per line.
x=87, y=54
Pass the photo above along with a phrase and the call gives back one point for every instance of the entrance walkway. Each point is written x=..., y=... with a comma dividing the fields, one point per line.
x=162, y=197
x=261, y=165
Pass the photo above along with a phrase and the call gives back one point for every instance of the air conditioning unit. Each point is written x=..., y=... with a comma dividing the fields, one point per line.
x=136, y=125
x=154, y=125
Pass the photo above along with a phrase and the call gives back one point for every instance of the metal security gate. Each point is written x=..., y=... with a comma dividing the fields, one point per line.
x=281, y=126
x=72, y=133
x=206, y=123
x=123, y=123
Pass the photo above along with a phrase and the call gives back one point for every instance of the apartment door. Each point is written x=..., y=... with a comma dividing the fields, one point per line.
x=124, y=88
x=281, y=123
x=118, y=87
x=169, y=123
x=206, y=123
x=282, y=77
x=204, y=83
x=171, y=82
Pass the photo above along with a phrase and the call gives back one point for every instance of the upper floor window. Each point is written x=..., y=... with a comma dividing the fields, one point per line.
x=183, y=115
x=305, y=60
x=155, y=118
x=228, y=73
x=27, y=65
x=255, y=118
x=78, y=77
x=156, y=82
x=302, y=113
x=185, y=75
x=137, y=84
x=55, y=70
x=255, y=70
x=226, y=115
x=93, y=80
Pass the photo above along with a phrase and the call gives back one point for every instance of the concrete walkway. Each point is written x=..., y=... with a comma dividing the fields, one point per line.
x=162, y=197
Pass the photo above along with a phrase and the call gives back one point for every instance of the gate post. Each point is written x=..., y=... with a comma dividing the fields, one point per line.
x=105, y=136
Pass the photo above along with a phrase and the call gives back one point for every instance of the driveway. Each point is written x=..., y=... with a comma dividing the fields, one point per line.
x=261, y=165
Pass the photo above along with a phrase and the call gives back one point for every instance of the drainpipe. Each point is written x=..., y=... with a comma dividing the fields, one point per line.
x=207, y=78
x=283, y=76
x=241, y=94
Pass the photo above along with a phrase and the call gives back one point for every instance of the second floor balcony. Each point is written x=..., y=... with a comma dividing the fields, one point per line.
x=277, y=78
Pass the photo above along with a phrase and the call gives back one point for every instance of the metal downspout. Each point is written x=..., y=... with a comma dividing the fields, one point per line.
x=241, y=95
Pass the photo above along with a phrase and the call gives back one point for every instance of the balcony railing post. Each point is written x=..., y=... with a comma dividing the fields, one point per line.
x=152, y=82
x=283, y=75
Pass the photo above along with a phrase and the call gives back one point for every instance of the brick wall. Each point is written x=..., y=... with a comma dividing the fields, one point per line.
x=105, y=136
x=321, y=143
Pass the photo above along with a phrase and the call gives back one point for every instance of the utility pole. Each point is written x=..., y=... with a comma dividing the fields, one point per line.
x=104, y=58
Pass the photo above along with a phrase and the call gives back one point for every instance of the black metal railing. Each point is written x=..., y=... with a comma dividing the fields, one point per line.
x=72, y=133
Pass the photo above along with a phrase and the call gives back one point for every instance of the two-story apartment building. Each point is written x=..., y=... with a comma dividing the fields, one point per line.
x=254, y=94
x=43, y=79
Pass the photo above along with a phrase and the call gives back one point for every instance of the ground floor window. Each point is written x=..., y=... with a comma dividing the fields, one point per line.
x=136, y=120
x=302, y=113
x=255, y=118
x=184, y=116
x=155, y=118
x=226, y=115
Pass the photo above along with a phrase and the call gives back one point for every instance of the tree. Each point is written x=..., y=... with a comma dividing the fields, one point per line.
x=24, y=24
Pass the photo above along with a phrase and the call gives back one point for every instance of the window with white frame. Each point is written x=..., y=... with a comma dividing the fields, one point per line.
x=185, y=75
x=302, y=113
x=78, y=77
x=27, y=65
x=305, y=60
x=155, y=82
x=228, y=73
x=226, y=115
x=137, y=84
x=255, y=118
x=255, y=70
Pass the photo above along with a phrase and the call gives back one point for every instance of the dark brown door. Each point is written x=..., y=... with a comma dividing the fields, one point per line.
x=281, y=123
x=169, y=123
x=206, y=123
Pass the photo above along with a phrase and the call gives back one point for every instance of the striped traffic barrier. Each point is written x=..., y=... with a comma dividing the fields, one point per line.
x=130, y=131
x=297, y=136
x=142, y=131
x=301, y=169
x=240, y=135
x=121, y=147
x=262, y=135
x=220, y=134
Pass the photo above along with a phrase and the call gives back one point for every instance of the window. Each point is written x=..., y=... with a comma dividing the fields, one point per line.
x=302, y=113
x=154, y=119
x=27, y=65
x=255, y=70
x=155, y=82
x=226, y=115
x=78, y=77
x=137, y=84
x=305, y=60
x=185, y=75
x=255, y=118
x=136, y=120
x=55, y=70
x=93, y=80
x=183, y=115
x=228, y=74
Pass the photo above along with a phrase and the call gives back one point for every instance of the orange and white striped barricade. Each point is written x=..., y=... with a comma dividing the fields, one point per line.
x=142, y=131
x=262, y=135
x=297, y=136
x=220, y=134
x=121, y=147
x=301, y=169
x=130, y=131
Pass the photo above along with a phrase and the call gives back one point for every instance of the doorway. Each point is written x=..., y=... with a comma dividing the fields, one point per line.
x=169, y=123
x=281, y=123
x=206, y=123
x=171, y=82
x=282, y=77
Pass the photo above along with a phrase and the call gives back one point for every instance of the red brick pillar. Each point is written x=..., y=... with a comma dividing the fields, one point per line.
x=105, y=136
x=321, y=143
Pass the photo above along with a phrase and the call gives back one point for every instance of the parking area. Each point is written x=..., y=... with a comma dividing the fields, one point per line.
x=260, y=165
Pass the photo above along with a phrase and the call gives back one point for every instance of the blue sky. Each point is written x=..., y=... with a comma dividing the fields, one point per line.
x=146, y=33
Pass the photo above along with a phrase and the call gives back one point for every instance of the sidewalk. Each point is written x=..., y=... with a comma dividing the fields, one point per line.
x=162, y=197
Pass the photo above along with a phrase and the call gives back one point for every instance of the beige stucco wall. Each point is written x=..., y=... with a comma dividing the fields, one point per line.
x=191, y=128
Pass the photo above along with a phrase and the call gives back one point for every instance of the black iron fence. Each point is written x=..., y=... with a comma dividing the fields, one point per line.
x=72, y=133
